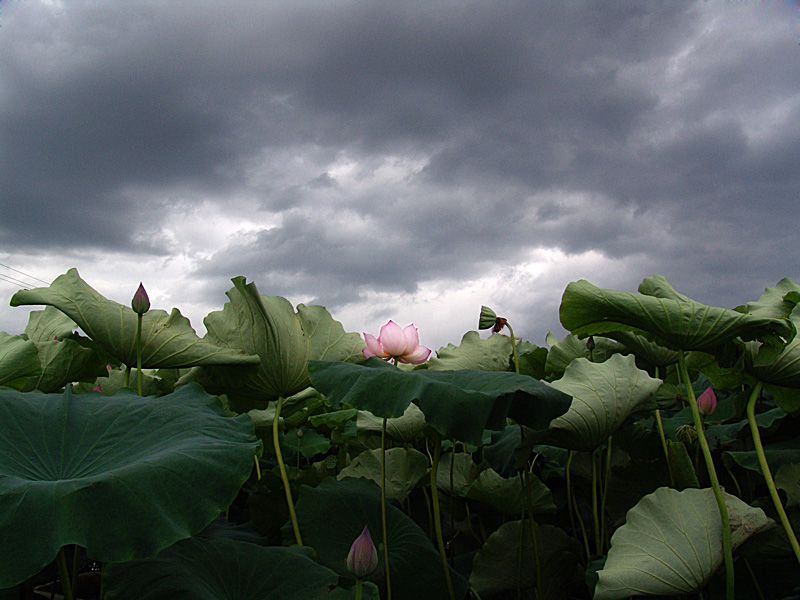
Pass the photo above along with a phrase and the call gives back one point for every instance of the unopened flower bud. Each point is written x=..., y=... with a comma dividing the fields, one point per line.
x=590, y=343
x=707, y=402
x=363, y=557
x=140, y=303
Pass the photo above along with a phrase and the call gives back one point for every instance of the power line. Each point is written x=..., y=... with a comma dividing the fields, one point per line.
x=8, y=279
x=13, y=280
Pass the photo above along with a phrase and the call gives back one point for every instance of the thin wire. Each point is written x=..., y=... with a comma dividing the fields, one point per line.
x=8, y=279
x=23, y=273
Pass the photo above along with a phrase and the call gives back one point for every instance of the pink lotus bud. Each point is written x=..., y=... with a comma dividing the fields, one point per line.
x=396, y=343
x=590, y=343
x=363, y=557
x=707, y=402
x=140, y=303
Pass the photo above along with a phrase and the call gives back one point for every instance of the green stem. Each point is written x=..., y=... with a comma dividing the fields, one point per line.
x=513, y=348
x=605, y=494
x=660, y=426
x=284, y=477
x=74, y=578
x=383, y=513
x=595, y=514
x=66, y=586
x=258, y=467
x=712, y=475
x=139, y=355
x=452, y=499
x=437, y=518
x=762, y=461
x=359, y=587
x=569, y=495
x=126, y=378
x=534, y=537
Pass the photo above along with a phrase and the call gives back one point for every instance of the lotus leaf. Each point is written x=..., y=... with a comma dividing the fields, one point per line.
x=268, y=326
x=62, y=363
x=122, y=476
x=495, y=568
x=168, y=340
x=416, y=570
x=604, y=395
x=458, y=404
x=405, y=467
x=19, y=357
x=669, y=318
x=49, y=324
x=572, y=347
x=491, y=354
x=671, y=543
x=224, y=569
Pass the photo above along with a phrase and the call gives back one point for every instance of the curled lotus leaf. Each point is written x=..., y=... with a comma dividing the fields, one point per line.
x=19, y=357
x=671, y=543
x=603, y=396
x=665, y=316
x=168, y=340
x=285, y=340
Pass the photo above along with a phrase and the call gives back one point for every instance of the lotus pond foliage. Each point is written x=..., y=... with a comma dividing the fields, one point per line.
x=654, y=452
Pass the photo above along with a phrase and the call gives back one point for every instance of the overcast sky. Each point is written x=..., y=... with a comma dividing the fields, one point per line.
x=408, y=160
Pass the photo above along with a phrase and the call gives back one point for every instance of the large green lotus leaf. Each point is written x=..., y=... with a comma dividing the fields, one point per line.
x=491, y=354
x=669, y=318
x=405, y=467
x=333, y=514
x=284, y=340
x=776, y=302
x=62, y=363
x=651, y=352
x=458, y=404
x=465, y=471
x=777, y=455
x=495, y=568
x=19, y=357
x=122, y=476
x=49, y=324
x=405, y=428
x=671, y=543
x=603, y=396
x=572, y=347
x=168, y=340
x=222, y=569
x=506, y=495
x=783, y=370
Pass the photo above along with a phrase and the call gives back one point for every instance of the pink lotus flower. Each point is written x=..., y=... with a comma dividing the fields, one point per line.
x=393, y=342
x=707, y=402
x=363, y=557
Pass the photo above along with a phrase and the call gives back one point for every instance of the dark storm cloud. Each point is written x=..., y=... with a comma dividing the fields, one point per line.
x=664, y=134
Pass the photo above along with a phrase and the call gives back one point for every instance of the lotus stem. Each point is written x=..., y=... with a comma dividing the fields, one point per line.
x=258, y=467
x=383, y=512
x=605, y=494
x=66, y=586
x=139, y=355
x=359, y=588
x=762, y=461
x=595, y=514
x=534, y=540
x=284, y=477
x=712, y=475
x=513, y=348
x=660, y=426
x=437, y=518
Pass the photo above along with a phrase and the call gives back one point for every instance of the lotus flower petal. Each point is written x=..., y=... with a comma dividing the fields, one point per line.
x=418, y=356
x=373, y=346
x=411, y=335
x=392, y=339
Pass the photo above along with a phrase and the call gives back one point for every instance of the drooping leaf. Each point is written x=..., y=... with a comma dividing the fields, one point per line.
x=224, y=569
x=168, y=340
x=776, y=302
x=661, y=314
x=405, y=428
x=506, y=495
x=267, y=326
x=572, y=347
x=671, y=543
x=777, y=455
x=49, y=324
x=309, y=443
x=150, y=470
x=656, y=355
x=62, y=363
x=465, y=471
x=782, y=370
x=603, y=396
x=19, y=357
x=416, y=569
x=496, y=566
x=491, y=354
x=405, y=467
x=458, y=404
